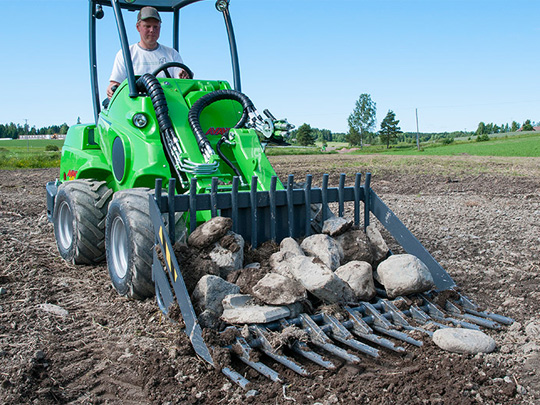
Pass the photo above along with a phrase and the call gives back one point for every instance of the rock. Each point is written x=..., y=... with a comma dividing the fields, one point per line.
x=359, y=276
x=275, y=289
x=54, y=309
x=461, y=340
x=290, y=245
x=226, y=259
x=254, y=314
x=323, y=247
x=209, y=319
x=532, y=329
x=246, y=278
x=210, y=291
x=379, y=248
x=3, y=291
x=210, y=232
x=233, y=301
x=319, y=280
x=280, y=262
x=355, y=245
x=335, y=226
x=404, y=274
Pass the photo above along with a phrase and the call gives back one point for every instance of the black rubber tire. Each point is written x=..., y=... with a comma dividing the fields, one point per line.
x=129, y=238
x=79, y=220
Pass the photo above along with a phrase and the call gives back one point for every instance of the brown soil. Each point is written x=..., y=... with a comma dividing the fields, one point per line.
x=479, y=217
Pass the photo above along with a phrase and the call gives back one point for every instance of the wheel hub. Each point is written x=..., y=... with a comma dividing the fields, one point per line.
x=119, y=247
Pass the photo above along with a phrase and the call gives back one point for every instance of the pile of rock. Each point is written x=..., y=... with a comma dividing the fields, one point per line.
x=336, y=266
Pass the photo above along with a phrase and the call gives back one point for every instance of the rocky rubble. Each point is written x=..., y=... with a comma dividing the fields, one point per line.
x=338, y=266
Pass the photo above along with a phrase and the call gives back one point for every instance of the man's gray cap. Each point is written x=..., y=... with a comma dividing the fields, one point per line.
x=148, y=12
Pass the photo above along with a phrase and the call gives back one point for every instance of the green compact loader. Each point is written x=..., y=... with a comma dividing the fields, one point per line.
x=166, y=155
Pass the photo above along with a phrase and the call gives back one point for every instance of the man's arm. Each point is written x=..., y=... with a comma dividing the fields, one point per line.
x=110, y=91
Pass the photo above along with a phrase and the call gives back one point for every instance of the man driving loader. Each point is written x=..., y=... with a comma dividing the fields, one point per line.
x=147, y=54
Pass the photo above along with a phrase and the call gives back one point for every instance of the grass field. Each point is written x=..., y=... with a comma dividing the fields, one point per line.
x=19, y=153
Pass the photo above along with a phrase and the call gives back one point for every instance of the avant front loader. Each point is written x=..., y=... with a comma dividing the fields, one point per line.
x=166, y=155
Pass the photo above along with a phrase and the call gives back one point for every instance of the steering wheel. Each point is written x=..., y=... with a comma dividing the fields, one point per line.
x=167, y=65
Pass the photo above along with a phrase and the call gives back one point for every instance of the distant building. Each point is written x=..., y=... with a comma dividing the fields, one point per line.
x=48, y=136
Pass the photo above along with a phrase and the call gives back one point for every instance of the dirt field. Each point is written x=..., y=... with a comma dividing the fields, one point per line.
x=479, y=217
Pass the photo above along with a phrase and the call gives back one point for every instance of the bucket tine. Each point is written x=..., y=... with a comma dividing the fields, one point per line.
x=382, y=325
x=341, y=334
x=302, y=349
x=244, y=354
x=235, y=377
x=362, y=330
x=267, y=348
x=478, y=320
x=319, y=338
x=439, y=315
x=471, y=308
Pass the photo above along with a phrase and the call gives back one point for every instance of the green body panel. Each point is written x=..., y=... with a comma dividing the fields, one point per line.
x=88, y=149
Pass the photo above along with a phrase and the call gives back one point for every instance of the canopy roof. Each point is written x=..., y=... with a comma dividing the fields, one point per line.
x=161, y=5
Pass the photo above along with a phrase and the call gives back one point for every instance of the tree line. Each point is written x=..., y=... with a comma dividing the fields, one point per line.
x=362, y=132
x=14, y=131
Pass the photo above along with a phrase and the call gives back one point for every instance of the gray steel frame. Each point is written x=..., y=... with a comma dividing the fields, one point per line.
x=282, y=209
x=173, y=6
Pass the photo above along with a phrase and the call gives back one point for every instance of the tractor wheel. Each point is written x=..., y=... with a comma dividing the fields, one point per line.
x=129, y=239
x=79, y=220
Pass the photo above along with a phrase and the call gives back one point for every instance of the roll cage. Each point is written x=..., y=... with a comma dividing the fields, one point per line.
x=167, y=6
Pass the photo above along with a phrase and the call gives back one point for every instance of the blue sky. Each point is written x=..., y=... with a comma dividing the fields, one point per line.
x=458, y=62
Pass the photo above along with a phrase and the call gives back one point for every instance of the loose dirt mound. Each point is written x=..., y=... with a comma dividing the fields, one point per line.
x=479, y=222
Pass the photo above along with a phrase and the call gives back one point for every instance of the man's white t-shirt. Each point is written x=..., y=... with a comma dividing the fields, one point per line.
x=145, y=61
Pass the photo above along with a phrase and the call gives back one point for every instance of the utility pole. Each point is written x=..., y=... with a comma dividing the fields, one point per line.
x=417, y=136
x=27, y=138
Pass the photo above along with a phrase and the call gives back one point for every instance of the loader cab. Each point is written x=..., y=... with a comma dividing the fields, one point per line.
x=165, y=7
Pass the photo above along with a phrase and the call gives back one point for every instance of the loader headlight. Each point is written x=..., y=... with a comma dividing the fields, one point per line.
x=140, y=120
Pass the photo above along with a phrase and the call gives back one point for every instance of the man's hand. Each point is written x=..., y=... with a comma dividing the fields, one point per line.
x=183, y=74
x=110, y=90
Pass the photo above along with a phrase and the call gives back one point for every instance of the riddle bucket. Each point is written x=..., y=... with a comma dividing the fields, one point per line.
x=365, y=327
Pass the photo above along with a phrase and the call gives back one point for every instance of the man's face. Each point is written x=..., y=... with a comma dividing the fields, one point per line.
x=149, y=30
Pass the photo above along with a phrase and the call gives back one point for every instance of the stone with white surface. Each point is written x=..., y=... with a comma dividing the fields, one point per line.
x=461, y=340
x=359, y=276
x=379, y=248
x=291, y=245
x=404, y=274
x=210, y=291
x=323, y=247
x=254, y=314
x=319, y=280
x=230, y=257
x=354, y=245
x=335, y=226
x=210, y=232
x=275, y=289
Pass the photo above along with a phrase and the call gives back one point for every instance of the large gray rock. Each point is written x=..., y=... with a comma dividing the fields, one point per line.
x=210, y=232
x=335, y=226
x=238, y=309
x=319, y=280
x=379, y=248
x=280, y=262
x=290, y=245
x=323, y=247
x=275, y=289
x=359, y=276
x=354, y=245
x=210, y=291
x=461, y=340
x=404, y=274
x=228, y=256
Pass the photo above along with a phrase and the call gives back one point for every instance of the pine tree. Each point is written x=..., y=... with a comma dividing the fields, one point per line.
x=304, y=135
x=389, y=129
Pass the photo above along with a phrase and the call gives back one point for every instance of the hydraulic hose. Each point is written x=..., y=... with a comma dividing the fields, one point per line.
x=205, y=101
x=151, y=86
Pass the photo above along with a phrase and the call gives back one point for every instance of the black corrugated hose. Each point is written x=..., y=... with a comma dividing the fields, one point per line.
x=205, y=101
